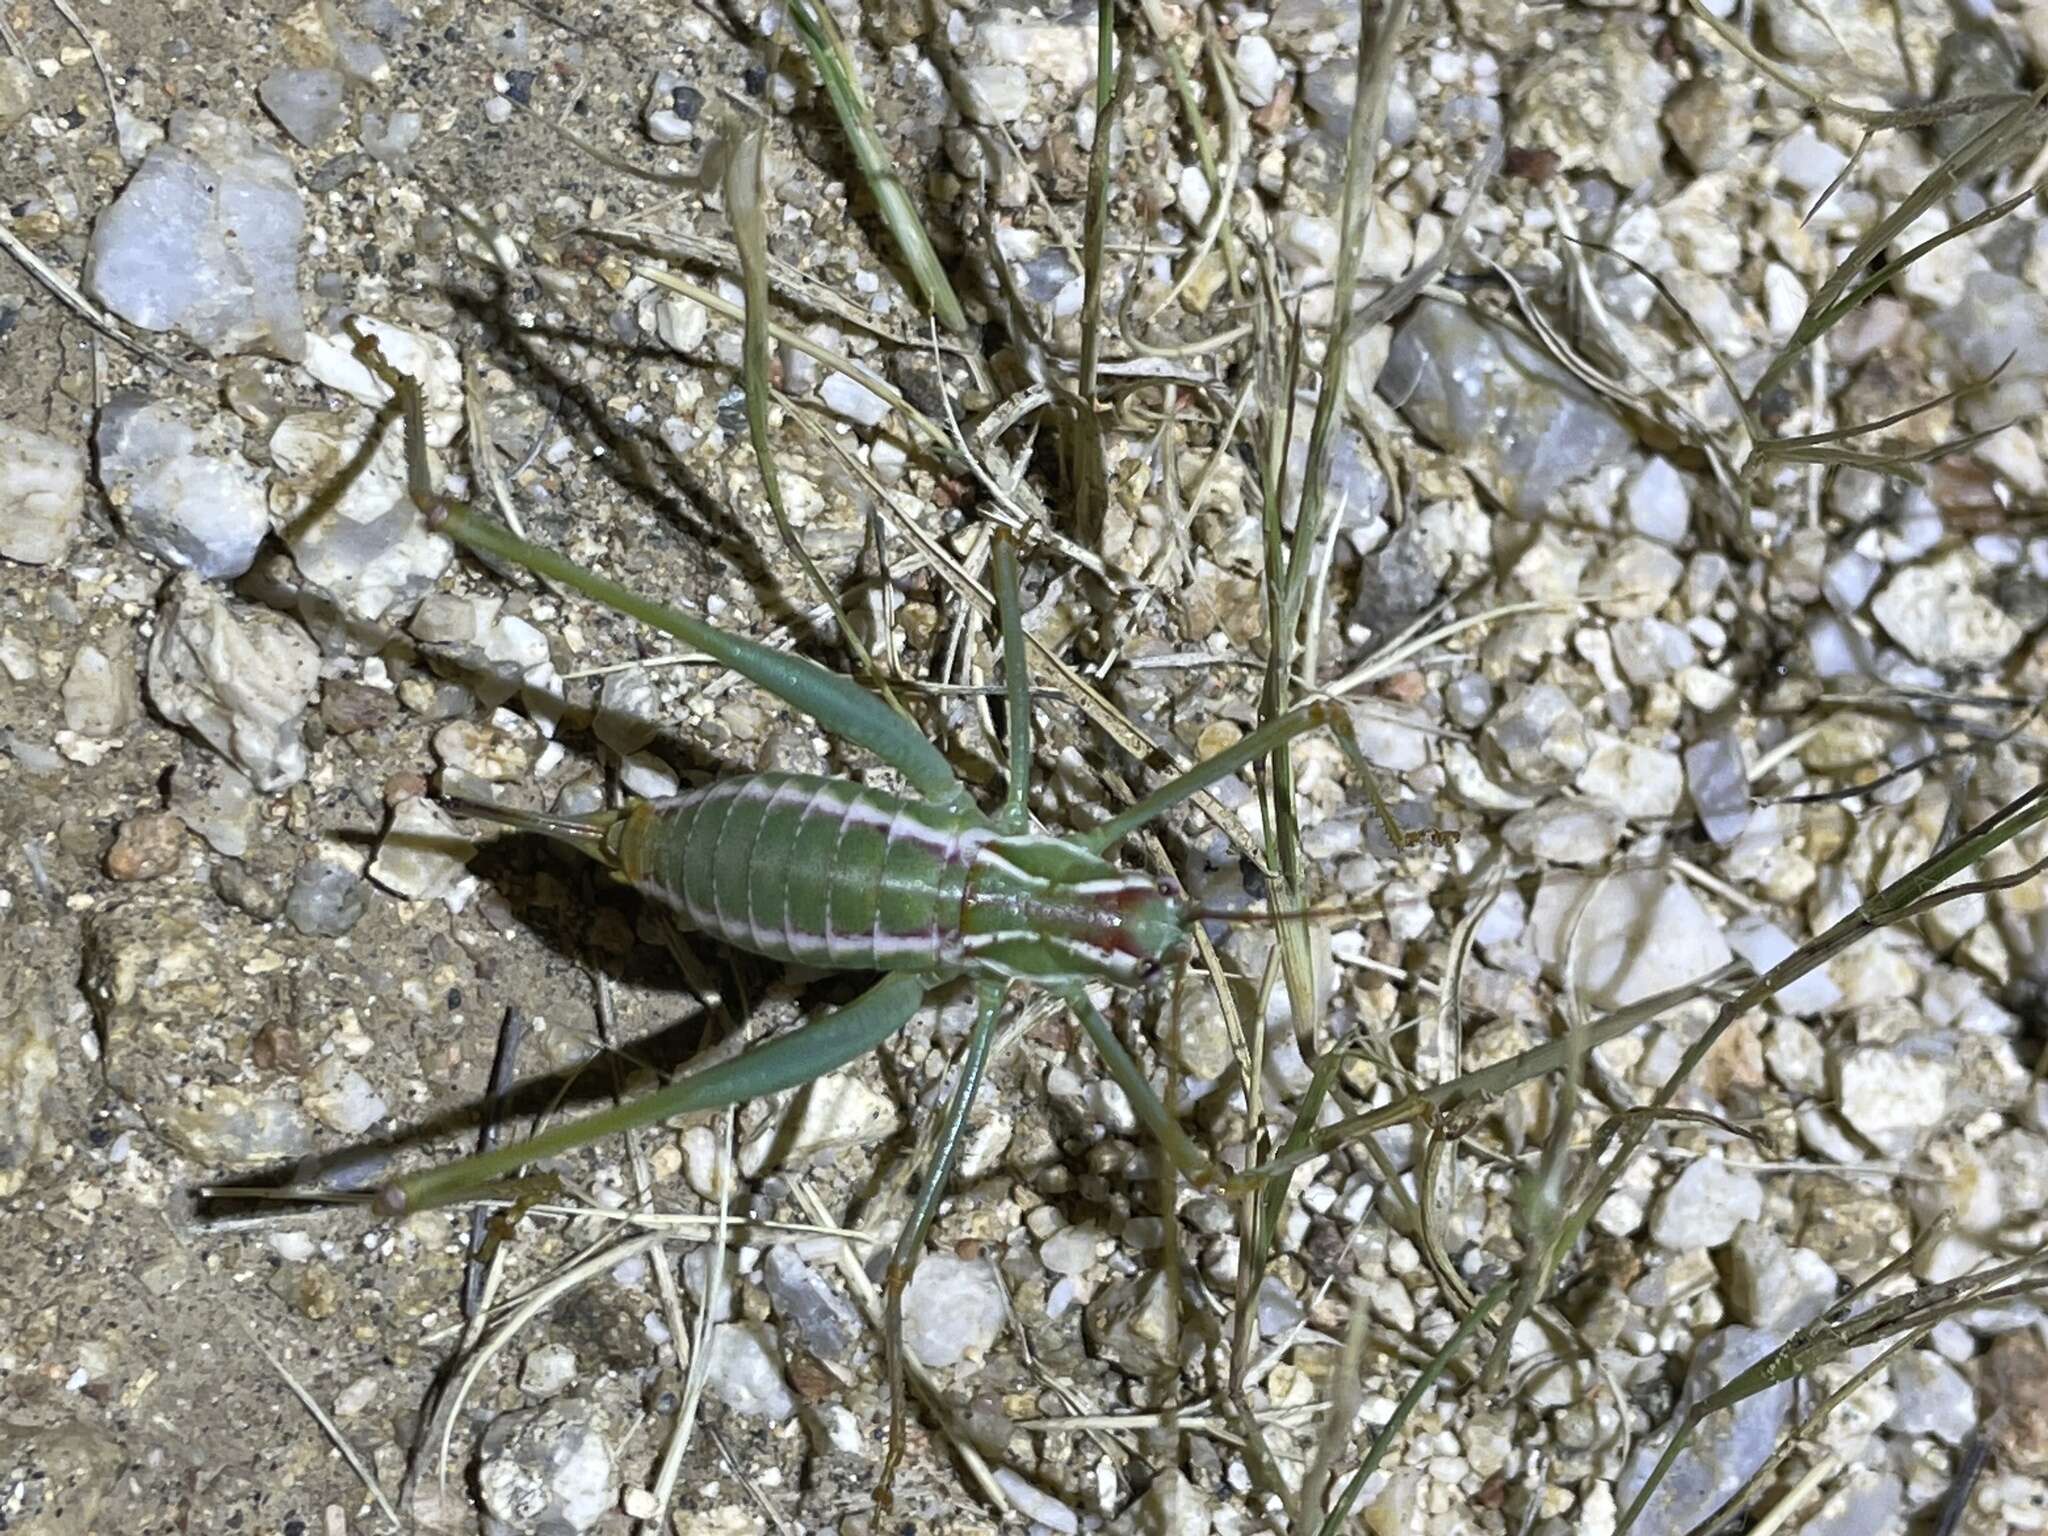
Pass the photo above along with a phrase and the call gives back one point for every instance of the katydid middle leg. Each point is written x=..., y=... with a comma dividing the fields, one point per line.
x=1015, y=815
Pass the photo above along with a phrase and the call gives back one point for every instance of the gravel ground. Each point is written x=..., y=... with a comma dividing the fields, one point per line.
x=1685, y=706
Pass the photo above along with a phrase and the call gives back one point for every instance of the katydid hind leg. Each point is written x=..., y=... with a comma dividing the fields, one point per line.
x=838, y=704
x=910, y=1243
x=806, y=1053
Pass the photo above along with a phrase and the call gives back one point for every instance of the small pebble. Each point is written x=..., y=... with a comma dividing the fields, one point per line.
x=1631, y=934
x=1279, y=1308
x=681, y=323
x=355, y=1397
x=347, y=707
x=341, y=1098
x=1540, y=734
x=239, y=887
x=745, y=1372
x=216, y=800
x=1659, y=506
x=391, y=138
x=951, y=1307
x=147, y=848
x=547, y=1369
x=1865, y=1501
x=1640, y=782
x=1939, y=618
x=101, y=695
x=327, y=899
x=1036, y=1505
x=1890, y=1097
x=1775, y=1285
x=1457, y=379
x=547, y=1471
x=1710, y=120
x=1933, y=1397
x=17, y=658
x=1562, y=831
x=629, y=712
x=30, y=1064
x=1308, y=241
x=1763, y=944
x=1468, y=699
x=648, y=776
x=204, y=240
x=807, y=1305
x=1717, y=782
x=2016, y=1381
x=671, y=110
x=1070, y=1251
x=309, y=104
x=186, y=507
x=1726, y=1448
x=424, y=854
x=368, y=553
x=994, y=93
x=1258, y=70
x=838, y=1110
x=855, y=401
x=18, y=85
x=1808, y=162
x=240, y=678
x=500, y=751
x=705, y=1167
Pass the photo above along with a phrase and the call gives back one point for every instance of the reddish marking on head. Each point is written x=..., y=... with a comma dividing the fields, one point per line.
x=1142, y=921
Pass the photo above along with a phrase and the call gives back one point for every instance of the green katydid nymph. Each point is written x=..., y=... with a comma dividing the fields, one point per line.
x=925, y=887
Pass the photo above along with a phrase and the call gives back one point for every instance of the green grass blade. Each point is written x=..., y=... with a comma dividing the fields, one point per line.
x=744, y=205
x=836, y=68
x=1084, y=440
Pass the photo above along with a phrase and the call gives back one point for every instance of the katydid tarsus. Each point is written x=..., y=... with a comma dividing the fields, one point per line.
x=925, y=887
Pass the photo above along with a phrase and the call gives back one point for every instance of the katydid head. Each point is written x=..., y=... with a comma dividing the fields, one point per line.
x=1155, y=924
x=1042, y=909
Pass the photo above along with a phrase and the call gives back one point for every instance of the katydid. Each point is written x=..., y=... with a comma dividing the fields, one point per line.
x=924, y=887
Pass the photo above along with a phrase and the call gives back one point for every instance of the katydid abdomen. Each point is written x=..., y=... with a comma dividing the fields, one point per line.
x=827, y=872
x=817, y=871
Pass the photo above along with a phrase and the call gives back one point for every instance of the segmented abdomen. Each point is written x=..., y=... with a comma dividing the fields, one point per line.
x=808, y=869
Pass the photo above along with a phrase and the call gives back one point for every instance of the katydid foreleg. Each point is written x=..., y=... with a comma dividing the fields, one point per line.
x=910, y=1243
